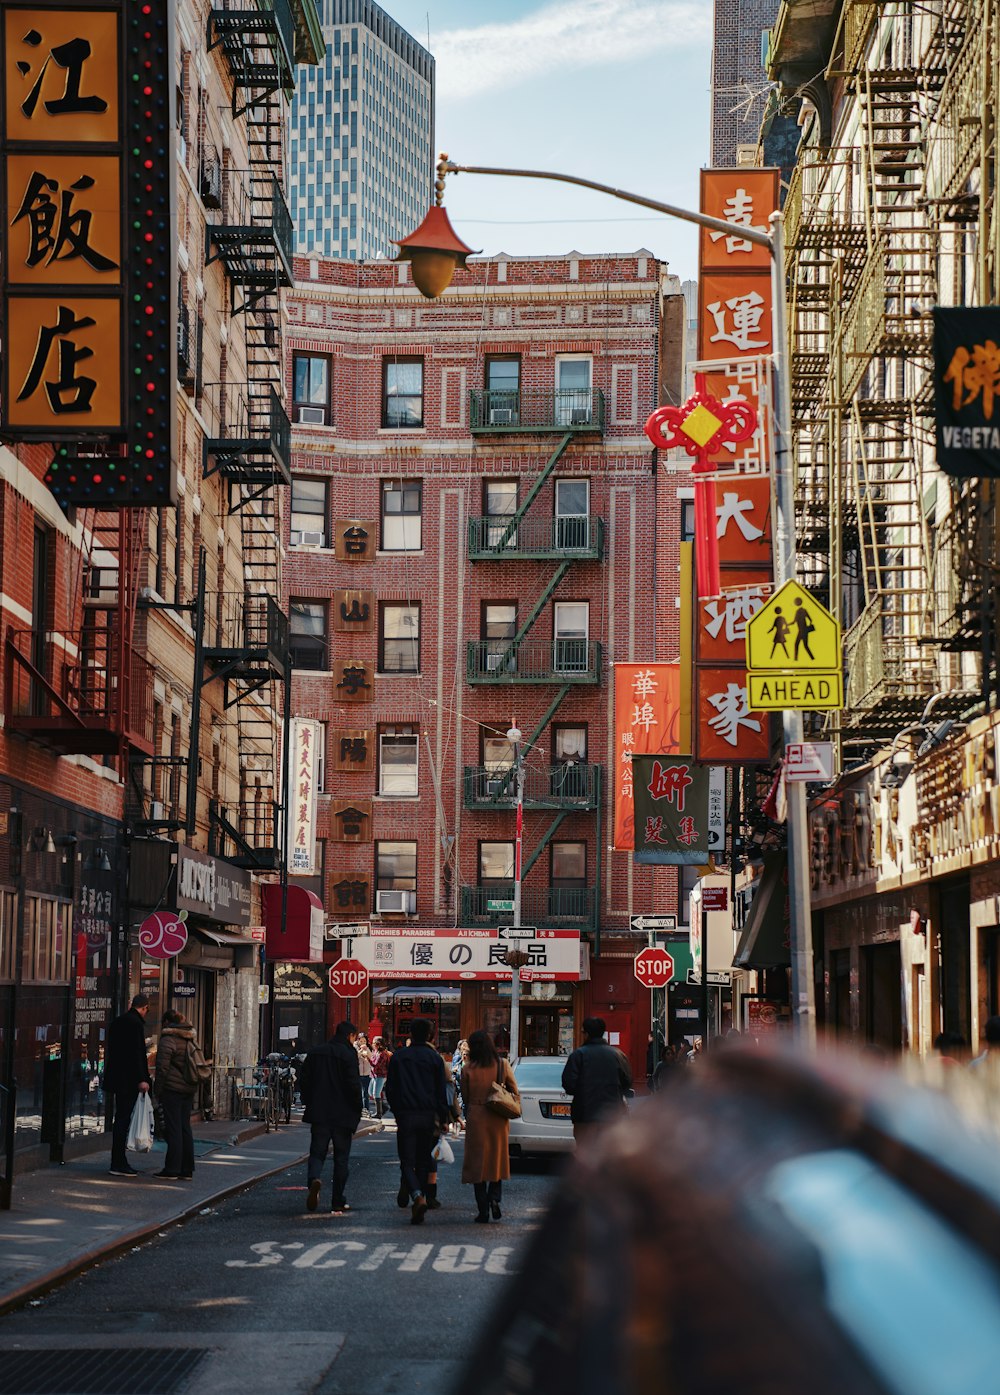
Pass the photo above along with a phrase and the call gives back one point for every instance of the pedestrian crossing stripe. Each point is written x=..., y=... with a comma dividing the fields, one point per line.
x=793, y=633
x=807, y=692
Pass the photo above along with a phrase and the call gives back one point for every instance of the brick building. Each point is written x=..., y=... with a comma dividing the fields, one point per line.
x=113, y=808
x=473, y=543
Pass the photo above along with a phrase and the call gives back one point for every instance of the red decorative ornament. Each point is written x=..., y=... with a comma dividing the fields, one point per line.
x=702, y=426
x=163, y=935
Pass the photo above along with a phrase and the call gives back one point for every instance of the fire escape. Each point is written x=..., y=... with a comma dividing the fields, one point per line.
x=560, y=662
x=87, y=691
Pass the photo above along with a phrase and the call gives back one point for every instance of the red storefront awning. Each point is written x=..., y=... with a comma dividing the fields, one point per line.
x=298, y=936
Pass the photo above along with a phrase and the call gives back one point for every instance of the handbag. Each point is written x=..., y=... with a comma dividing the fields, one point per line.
x=500, y=1100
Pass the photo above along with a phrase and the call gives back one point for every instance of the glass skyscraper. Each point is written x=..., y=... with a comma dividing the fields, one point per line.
x=362, y=151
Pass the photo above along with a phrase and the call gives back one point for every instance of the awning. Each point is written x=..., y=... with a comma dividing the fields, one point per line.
x=300, y=938
x=766, y=938
x=208, y=948
x=221, y=937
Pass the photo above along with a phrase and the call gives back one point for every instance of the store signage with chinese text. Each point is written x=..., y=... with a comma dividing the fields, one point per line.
x=88, y=207
x=553, y=955
x=647, y=722
x=672, y=797
x=967, y=390
x=211, y=887
x=302, y=799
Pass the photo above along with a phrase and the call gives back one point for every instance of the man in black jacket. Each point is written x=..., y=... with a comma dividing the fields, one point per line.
x=330, y=1086
x=418, y=1097
x=126, y=1074
x=598, y=1077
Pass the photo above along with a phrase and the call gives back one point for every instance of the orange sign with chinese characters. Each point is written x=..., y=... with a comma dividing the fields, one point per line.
x=722, y=620
x=64, y=219
x=743, y=522
x=63, y=360
x=744, y=198
x=61, y=75
x=647, y=722
x=734, y=315
x=728, y=732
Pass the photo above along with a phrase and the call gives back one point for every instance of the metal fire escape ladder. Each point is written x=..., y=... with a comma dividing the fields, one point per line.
x=542, y=844
x=510, y=530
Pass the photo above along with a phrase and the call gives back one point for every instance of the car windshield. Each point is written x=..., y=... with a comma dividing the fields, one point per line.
x=539, y=1075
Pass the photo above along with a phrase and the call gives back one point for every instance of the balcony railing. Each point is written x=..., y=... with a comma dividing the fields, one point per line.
x=254, y=238
x=67, y=694
x=884, y=671
x=258, y=39
x=568, y=786
x=580, y=537
x=533, y=661
x=255, y=440
x=544, y=906
x=493, y=411
x=252, y=628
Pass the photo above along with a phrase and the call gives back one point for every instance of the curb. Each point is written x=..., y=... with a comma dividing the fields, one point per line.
x=55, y=1278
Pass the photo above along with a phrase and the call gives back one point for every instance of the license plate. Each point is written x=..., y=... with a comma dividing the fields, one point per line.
x=560, y=1111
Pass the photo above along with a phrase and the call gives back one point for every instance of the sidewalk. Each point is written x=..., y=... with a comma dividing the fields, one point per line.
x=65, y=1218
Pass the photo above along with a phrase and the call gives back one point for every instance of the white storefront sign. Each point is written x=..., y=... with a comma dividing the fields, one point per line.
x=553, y=955
x=305, y=740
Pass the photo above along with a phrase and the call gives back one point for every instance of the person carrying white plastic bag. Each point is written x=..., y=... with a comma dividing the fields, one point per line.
x=140, y=1129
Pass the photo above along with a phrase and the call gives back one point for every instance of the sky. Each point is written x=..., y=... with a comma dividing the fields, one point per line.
x=612, y=90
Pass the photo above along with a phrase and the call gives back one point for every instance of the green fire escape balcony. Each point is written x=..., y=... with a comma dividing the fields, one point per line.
x=551, y=906
x=579, y=538
x=569, y=786
x=505, y=661
x=498, y=412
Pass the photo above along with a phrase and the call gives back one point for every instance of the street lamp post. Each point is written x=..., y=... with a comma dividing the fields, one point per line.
x=435, y=246
x=515, y=955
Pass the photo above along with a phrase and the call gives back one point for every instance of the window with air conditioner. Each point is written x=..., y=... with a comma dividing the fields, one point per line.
x=311, y=388
x=496, y=874
x=572, y=514
x=309, y=513
x=307, y=634
x=574, y=389
x=503, y=391
x=396, y=876
x=499, y=626
x=496, y=780
x=402, y=516
x=499, y=507
x=398, y=762
x=570, y=633
x=399, y=637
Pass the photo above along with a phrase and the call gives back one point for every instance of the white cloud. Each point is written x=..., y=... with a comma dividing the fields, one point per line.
x=562, y=37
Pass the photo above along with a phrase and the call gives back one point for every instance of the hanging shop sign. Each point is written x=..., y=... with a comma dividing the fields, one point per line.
x=350, y=821
x=306, y=736
x=87, y=193
x=353, y=752
x=728, y=729
x=354, y=539
x=745, y=198
x=553, y=955
x=672, y=809
x=211, y=887
x=163, y=934
x=967, y=390
x=353, y=681
x=353, y=612
x=647, y=722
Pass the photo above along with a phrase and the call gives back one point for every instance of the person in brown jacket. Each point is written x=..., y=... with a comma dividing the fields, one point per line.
x=487, y=1161
x=180, y=1068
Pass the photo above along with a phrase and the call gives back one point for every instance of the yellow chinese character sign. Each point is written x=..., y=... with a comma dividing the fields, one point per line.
x=87, y=217
x=967, y=390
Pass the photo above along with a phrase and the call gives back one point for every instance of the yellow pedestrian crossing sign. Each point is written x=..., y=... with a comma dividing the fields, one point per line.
x=794, y=657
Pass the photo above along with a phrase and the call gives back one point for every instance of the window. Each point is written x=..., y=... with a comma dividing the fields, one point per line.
x=499, y=626
x=47, y=929
x=397, y=761
x=687, y=520
x=321, y=738
x=402, y=393
x=503, y=383
x=396, y=866
x=311, y=388
x=496, y=779
x=307, y=632
x=568, y=879
x=496, y=864
x=571, y=620
x=399, y=637
x=8, y=933
x=309, y=513
x=569, y=758
x=572, y=505
x=401, y=516
x=500, y=502
x=573, y=390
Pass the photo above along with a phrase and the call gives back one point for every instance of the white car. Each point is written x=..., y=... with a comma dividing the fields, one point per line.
x=545, y=1125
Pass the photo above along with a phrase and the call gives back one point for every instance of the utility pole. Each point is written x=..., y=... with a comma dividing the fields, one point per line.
x=515, y=957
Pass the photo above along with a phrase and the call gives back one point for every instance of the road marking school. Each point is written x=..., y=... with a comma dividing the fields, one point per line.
x=339, y=1254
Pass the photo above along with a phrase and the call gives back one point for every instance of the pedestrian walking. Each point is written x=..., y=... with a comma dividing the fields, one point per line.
x=598, y=1077
x=990, y=1057
x=180, y=1069
x=415, y=1089
x=365, y=1067
x=126, y=1074
x=331, y=1093
x=380, y=1058
x=486, y=1162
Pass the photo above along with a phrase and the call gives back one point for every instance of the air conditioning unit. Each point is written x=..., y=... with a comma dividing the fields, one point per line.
x=503, y=416
x=155, y=811
x=314, y=415
x=580, y=416
x=396, y=902
x=306, y=539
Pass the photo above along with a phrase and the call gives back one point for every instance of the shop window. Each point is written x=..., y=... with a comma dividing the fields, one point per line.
x=8, y=934
x=47, y=930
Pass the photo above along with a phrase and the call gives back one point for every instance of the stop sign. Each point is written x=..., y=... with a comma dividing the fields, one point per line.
x=654, y=968
x=348, y=978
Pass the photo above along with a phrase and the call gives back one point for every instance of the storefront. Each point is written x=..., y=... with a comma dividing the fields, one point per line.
x=458, y=979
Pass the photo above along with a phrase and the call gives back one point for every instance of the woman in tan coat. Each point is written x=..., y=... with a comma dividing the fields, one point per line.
x=486, y=1162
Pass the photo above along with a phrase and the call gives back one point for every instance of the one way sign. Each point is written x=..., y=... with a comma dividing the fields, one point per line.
x=643, y=923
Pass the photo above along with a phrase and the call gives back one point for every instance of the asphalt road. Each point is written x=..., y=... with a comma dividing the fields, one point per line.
x=276, y=1299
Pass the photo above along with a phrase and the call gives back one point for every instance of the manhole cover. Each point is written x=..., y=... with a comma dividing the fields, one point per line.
x=99, y=1371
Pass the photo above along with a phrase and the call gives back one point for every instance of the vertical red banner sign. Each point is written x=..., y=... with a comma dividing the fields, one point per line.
x=647, y=722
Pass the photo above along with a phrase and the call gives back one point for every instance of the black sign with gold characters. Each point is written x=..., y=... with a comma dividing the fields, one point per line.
x=87, y=209
x=967, y=390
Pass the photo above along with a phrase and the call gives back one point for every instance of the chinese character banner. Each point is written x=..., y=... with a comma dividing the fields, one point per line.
x=744, y=198
x=967, y=391
x=302, y=795
x=647, y=722
x=88, y=220
x=671, y=811
x=553, y=955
